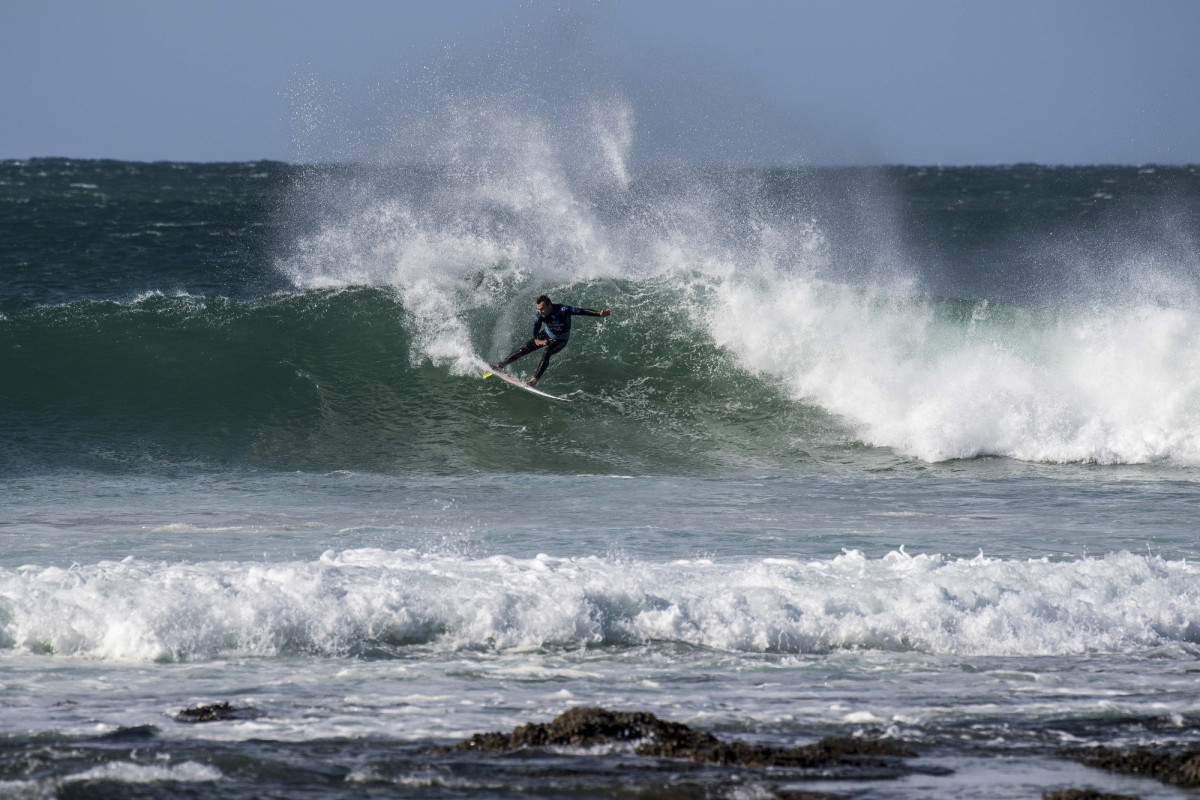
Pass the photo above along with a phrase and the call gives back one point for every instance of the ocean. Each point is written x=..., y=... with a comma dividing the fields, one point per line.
x=900, y=453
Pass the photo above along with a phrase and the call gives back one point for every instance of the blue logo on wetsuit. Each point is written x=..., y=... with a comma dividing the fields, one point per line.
x=558, y=323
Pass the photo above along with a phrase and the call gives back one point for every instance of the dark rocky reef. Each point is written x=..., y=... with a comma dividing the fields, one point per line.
x=216, y=712
x=651, y=736
x=1181, y=769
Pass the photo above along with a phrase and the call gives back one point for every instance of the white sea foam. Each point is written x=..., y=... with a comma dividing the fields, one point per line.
x=115, y=772
x=125, y=772
x=1106, y=385
x=184, y=527
x=364, y=601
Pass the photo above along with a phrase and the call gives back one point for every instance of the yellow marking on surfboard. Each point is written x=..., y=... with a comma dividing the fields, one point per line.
x=487, y=374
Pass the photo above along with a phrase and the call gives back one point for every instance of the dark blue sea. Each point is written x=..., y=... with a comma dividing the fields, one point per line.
x=909, y=453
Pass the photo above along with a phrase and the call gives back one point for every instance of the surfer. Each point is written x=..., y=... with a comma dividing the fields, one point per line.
x=557, y=322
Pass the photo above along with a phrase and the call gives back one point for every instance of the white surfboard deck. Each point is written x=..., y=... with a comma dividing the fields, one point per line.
x=521, y=385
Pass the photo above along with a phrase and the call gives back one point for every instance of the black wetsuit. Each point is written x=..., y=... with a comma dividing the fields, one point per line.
x=558, y=330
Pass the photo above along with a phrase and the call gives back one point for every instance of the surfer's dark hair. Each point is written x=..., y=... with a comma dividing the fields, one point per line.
x=544, y=299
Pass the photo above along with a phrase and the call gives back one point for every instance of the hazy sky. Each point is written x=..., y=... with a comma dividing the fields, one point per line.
x=827, y=81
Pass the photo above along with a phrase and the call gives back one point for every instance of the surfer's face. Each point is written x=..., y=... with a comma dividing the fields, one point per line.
x=543, y=308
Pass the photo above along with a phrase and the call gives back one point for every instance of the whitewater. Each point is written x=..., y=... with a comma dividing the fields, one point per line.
x=356, y=602
x=903, y=453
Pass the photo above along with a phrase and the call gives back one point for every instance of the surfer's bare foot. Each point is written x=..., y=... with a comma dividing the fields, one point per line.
x=532, y=382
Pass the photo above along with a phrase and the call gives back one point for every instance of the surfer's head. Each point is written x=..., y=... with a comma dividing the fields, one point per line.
x=544, y=305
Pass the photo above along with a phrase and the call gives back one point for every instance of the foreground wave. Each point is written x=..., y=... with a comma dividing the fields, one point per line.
x=376, y=603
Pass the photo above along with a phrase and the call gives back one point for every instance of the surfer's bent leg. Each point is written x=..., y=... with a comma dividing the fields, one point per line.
x=552, y=348
x=525, y=350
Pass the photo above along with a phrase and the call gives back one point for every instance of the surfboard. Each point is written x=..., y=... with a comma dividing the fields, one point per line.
x=521, y=385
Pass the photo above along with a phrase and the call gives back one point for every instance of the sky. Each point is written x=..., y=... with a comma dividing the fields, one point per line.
x=807, y=81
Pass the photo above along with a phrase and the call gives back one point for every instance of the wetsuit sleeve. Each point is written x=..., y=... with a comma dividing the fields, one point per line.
x=537, y=325
x=586, y=312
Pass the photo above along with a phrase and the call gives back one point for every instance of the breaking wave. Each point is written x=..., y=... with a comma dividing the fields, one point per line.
x=372, y=603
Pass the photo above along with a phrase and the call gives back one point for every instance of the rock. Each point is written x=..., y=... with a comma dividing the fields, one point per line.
x=651, y=736
x=1181, y=769
x=213, y=713
x=136, y=733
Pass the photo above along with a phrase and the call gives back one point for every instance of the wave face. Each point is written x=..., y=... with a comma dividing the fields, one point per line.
x=773, y=317
x=381, y=604
x=337, y=379
x=687, y=377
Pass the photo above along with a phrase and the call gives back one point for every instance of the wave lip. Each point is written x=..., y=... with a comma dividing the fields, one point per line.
x=372, y=603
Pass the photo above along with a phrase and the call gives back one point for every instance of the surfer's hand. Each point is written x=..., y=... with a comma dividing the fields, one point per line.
x=540, y=342
x=606, y=312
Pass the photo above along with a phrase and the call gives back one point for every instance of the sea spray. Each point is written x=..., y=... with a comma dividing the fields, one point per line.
x=499, y=209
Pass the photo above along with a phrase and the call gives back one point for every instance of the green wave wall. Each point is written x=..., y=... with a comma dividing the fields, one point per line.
x=328, y=379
